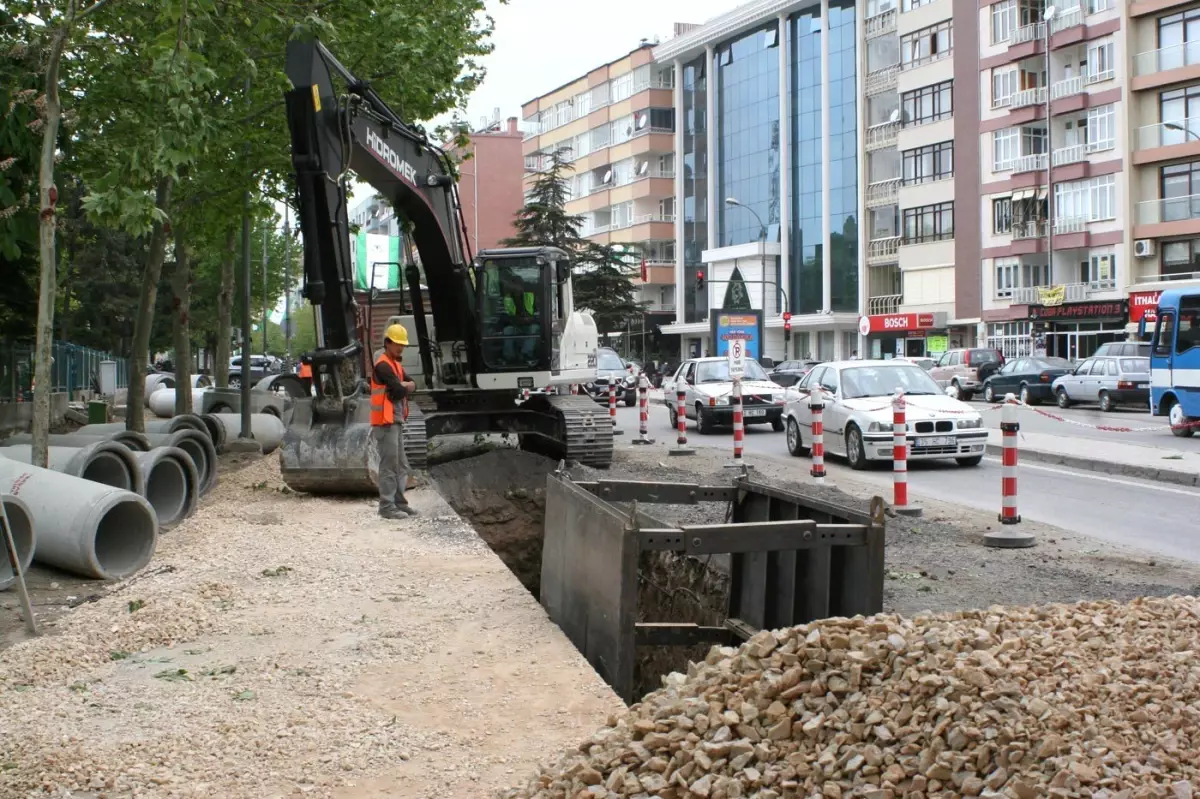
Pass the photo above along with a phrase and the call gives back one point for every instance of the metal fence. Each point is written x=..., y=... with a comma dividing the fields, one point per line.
x=75, y=368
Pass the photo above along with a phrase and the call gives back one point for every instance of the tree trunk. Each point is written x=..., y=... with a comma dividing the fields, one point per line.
x=43, y=380
x=181, y=288
x=139, y=352
x=224, y=312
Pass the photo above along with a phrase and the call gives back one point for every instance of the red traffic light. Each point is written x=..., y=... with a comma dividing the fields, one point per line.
x=787, y=326
x=787, y=317
x=700, y=275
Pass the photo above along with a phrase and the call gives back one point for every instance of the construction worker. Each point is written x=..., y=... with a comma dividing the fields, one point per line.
x=389, y=409
x=520, y=306
x=306, y=376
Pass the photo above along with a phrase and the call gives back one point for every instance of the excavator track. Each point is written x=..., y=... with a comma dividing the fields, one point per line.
x=416, y=441
x=589, y=438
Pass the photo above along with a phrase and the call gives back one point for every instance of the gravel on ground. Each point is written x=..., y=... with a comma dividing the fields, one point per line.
x=286, y=645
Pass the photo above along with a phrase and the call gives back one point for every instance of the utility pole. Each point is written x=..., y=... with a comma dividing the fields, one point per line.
x=287, y=280
x=266, y=235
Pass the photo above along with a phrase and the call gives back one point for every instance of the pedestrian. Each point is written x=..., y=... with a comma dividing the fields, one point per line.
x=389, y=409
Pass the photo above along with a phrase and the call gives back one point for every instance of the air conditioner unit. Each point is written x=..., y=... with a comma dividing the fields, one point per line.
x=1143, y=248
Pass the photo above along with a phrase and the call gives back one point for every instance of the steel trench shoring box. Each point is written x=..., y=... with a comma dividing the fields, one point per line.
x=794, y=558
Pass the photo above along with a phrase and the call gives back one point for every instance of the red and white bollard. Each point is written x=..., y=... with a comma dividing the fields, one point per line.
x=900, y=458
x=574, y=389
x=681, y=444
x=612, y=407
x=1008, y=538
x=643, y=390
x=739, y=424
x=816, y=407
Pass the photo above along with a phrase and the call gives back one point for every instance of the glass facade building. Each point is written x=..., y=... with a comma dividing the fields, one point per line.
x=694, y=160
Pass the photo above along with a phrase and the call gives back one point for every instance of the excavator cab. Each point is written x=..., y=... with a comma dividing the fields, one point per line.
x=521, y=313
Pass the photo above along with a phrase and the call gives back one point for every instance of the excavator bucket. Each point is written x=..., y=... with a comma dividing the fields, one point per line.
x=340, y=456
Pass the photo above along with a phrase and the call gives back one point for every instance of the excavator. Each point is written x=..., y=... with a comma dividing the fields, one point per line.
x=500, y=327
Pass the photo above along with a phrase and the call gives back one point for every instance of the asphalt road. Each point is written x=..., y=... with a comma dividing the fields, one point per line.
x=1154, y=517
x=1033, y=421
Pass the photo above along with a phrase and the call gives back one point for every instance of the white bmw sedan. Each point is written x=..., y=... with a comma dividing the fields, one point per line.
x=858, y=414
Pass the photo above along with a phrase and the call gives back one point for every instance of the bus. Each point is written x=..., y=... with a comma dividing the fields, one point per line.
x=1175, y=360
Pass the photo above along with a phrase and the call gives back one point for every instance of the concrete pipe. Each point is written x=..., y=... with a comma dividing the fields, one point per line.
x=128, y=438
x=184, y=421
x=170, y=483
x=216, y=431
x=156, y=381
x=199, y=448
x=83, y=527
x=267, y=429
x=105, y=462
x=20, y=522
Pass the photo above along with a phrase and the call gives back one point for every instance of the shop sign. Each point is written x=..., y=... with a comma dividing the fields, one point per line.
x=1144, y=305
x=1080, y=310
x=895, y=323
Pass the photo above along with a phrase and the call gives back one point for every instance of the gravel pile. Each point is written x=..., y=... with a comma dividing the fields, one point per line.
x=1095, y=699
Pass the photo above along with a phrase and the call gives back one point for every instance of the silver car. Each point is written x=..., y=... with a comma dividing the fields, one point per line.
x=707, y=387
x=1108, y=381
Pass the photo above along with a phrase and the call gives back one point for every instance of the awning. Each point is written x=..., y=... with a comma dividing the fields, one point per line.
x=1042, y=193
x=1023, y=194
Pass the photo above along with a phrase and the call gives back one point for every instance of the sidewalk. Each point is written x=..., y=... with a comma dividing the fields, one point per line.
x=1129, y=460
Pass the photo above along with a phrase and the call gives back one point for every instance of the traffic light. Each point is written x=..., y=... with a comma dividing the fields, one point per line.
x=700, y=279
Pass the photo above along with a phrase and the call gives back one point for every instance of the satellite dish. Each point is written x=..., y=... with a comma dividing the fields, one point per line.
x=607, y=177
x=644, y=168
x=642, y=120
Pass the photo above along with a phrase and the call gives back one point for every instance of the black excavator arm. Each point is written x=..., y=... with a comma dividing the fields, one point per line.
x=339, y=124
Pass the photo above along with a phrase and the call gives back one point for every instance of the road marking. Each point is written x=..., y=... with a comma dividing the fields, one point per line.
x=1094, y=476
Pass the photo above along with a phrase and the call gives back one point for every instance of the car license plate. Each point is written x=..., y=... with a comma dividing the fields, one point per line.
x=935, y=441
x=756, y=411
x=1143, y=385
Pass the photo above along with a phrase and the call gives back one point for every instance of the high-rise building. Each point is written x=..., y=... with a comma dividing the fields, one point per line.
x=489, y=183
x=767, y=122
x=616, y=126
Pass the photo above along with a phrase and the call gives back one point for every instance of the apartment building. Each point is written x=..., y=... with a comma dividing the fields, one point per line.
x=616, y=126
x=767, y=121
x=490, y=188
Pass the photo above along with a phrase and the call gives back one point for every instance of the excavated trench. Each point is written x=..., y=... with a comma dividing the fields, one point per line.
x=502, y=493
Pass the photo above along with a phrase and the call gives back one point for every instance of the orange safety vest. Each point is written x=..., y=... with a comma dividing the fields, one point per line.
x=382, y=410
x=305, y=370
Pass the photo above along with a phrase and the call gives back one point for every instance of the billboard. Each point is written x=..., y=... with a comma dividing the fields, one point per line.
x=744, y=325
x=378, y=253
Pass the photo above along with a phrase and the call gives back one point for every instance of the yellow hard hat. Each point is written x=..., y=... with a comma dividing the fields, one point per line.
x=397, y=334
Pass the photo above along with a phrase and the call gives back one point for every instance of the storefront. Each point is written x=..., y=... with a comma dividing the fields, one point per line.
x=912, y=335
x=1074, y=330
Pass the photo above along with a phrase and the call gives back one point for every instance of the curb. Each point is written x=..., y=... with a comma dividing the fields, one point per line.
x=1173, y=476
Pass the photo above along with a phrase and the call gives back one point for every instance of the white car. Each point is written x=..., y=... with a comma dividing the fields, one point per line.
x=707, y=388
x=858, y=414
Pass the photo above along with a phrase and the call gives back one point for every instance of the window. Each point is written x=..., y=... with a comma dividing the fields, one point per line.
x=1180, y=106
x=929, y=163
x=1099, y=270
x=1100, y=61
x=928, y=104
x=1164, y=333
x=909, y=5
x=926, y=45
x=1102, y=197
x=1004, y=21
x=1006, y=147
x=1180, y=257
x=1179, y=183
x=1012, y=274
x=1090, y=200
x=1004, y=86
x=1002, y=215
x=929, y=223
x=1101, y=128
x=1188, y=333
x=1175, y=35
x=1110, y=368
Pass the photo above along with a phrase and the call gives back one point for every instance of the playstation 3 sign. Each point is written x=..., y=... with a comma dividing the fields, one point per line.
x=402, y=168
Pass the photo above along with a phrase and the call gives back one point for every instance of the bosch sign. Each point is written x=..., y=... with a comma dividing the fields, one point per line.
x=896, y=323
x=1144, y=305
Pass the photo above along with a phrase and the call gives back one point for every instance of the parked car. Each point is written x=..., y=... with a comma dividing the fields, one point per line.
x=1108, y=381
x=1137, y=349
x=965, y=370
x=858, y=414
x=707, y=387
x=789, y=373
x=1031, y=379
x=611, y=369
x=260, y=367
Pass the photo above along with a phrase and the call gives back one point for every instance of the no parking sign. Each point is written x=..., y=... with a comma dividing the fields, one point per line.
x=737, y=358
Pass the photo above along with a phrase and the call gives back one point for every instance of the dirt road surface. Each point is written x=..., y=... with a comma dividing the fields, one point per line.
x=297, y=646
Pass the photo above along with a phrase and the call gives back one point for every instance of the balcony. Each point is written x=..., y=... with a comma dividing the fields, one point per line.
x=886, y=304
x=1071, y=154
x=1028, y=33
x=1072, y=292
x=881, y=24
x=882, y=80
x=883, y=192
x=1033, y=229
x=882, y=135
x=1069, y=224
x=1066, y=18
x=1185, y=54
x=1099, y=77
x=1165, y=134
x=1029, y=163
x=881, y=251
x=1067, y=87
x=1172, y=209
x=1034, y=96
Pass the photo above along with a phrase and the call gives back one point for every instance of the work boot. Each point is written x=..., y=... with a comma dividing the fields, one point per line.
x=405, y=509
x=392, y=512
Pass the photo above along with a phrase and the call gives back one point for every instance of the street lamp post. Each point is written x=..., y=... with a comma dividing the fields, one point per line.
x=762, y=247
x=1182, y=129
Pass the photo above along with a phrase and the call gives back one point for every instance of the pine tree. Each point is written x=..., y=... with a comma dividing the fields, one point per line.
x=602, y=275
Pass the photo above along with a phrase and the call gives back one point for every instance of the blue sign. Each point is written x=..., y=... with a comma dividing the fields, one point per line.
x=730, y=325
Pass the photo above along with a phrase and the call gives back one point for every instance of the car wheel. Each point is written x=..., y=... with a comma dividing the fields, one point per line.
x=1106, y=402
x=1179, y=420
x=1026, y=397
x=974, y=460
x=958, y=392
x=856, y=454
x=704, y=422
x=631, y=399
x=235, y=382
x=989, y=394
x=777, y=424
x=1064, y=401
x=795, y=443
